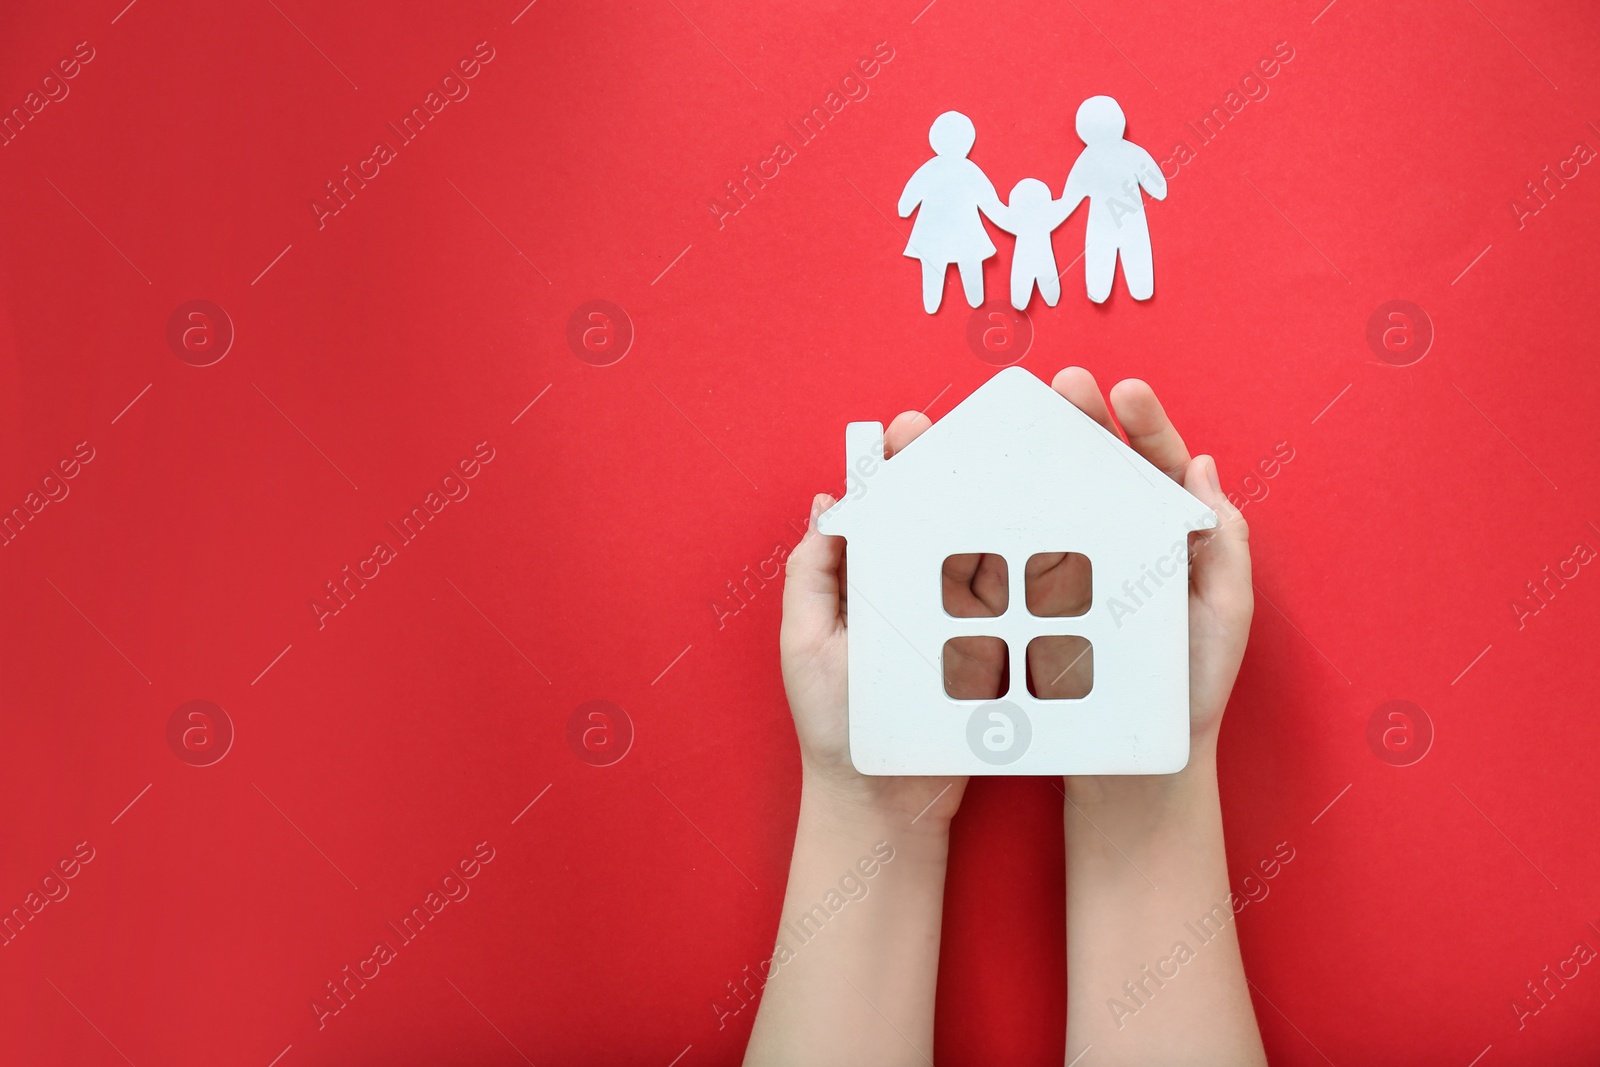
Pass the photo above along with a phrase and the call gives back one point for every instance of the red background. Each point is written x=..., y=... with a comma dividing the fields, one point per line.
x=376, y=351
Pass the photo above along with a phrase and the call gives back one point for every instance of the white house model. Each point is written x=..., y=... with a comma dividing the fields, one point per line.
x=1015, y=470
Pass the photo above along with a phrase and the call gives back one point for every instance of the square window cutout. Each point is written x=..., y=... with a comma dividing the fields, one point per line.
x=975, y=668
x=975, y=585
x=1058, y=584
x=1060, y=667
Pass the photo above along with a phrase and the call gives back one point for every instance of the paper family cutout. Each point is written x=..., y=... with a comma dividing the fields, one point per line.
x=1014, y=470
x=949, y=191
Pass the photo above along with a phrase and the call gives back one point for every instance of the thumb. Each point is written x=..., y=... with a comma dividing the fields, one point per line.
x=1221, y=557
x=811, y=575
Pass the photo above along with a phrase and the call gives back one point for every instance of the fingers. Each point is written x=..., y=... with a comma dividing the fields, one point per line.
x=1057, y=584
x=1039, y=563
x=1060, y=667
x=990, y=584
x=1078, y=386
x=955, y=578
x=973, y=667
x=974, y=585
x=906, y=427
x=814, y=585
x=811, y=577
x=1143, y=420
x=983, y=575
x=1149, y=431
x=1220, y=565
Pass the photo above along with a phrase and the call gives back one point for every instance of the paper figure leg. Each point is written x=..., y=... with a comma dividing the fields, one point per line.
x=972, y=281
x=932, y=284
x=1050, y=287
x=1021, y=286
x=1099, y=268
x=1138, y=270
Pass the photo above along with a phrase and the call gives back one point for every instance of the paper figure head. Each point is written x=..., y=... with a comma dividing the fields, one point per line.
x=1029, y=192
x=1100, y=118
x=952, y=134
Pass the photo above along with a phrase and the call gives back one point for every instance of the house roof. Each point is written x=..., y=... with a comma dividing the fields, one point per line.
x=1005, y=409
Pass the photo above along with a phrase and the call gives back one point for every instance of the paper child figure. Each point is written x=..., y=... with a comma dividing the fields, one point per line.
x=1109, y=174
x=947, y=193
x=1031, y=215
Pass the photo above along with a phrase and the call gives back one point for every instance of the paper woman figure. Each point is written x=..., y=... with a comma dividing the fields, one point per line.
x=948, y=192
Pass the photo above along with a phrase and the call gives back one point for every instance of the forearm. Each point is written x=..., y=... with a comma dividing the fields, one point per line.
x=1153, y=967
x=857, y=953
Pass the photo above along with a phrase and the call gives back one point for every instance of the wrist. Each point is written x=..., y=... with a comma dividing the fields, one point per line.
x=1105, y=789
x=861, y=807
x=1142, y=810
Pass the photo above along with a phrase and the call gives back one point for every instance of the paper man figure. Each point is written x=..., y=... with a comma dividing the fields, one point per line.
x=1031, y=215
x=947, y=193
x=1109, y=174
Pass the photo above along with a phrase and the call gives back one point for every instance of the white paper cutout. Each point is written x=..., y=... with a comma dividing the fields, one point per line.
x=1110, y=173
x=949, y=192
x=1030, y=216
x=1015, y=469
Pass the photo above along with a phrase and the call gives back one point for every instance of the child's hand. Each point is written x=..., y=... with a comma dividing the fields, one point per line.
x=1145, y=851
x=1220, y=602
x=812, y=640
x=832, y=999
x=1221, y=599
x=815, y=601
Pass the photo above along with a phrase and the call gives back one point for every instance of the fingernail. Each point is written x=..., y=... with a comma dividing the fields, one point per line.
x=1211, y=475
x=816, y=509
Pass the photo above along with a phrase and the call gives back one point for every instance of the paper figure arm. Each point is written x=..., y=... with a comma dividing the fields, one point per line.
x=1000, y=215
x=1076, y=191
x=1150, y=177
x=989, y=203
x=913, y=194
x=1061, y=209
